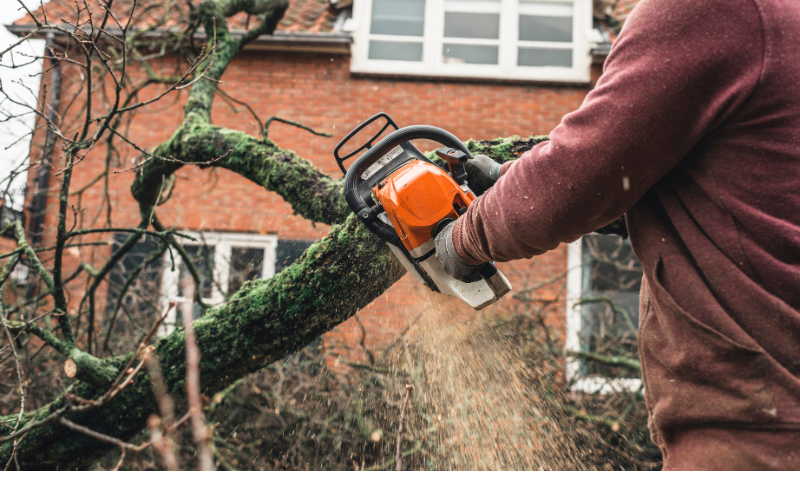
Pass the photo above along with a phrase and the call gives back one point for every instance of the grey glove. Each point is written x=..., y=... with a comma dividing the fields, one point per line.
x=483, y=170
x=451, y=262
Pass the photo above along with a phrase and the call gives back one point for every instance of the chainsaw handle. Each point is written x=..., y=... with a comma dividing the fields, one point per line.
x=351, y=180
x=341, y=159
x=406, y=134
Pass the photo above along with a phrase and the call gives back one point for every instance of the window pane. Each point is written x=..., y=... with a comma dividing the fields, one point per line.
x=545, y=57
x=142, y=296
x=472, y=19
x=203, y=257
x=395, y=51
x=612, y=277
x=469, y=54
x=247, y=264
x=398, y=17
x=467, y=25
x=545, y=22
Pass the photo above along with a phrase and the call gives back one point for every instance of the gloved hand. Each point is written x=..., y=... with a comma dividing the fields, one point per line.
x=483, y=170
x=451, y=262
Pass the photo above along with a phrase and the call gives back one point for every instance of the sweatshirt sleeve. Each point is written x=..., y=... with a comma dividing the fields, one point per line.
x=678, y=69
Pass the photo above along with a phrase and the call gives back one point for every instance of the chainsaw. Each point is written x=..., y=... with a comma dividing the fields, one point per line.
x=406, y=200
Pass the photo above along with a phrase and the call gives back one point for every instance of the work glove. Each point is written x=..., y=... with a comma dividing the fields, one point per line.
x=451, y=262
x=483, y=170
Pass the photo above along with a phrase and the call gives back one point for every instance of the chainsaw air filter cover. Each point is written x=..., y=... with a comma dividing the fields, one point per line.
x=416, y=198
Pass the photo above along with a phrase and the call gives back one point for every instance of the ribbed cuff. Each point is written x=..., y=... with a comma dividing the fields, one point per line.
x=459, y=245
x=506, y=166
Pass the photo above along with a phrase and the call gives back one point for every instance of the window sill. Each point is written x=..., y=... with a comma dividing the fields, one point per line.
x=434, y=76
x=605, y=385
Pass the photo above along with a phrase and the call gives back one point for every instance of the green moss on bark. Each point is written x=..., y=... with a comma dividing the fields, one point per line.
x=263, y=322
x=312, y=194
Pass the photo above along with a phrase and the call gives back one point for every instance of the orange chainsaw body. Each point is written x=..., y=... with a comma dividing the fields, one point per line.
x=417, y=197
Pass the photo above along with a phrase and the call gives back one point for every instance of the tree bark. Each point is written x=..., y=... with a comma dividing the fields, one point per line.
x=263, y=322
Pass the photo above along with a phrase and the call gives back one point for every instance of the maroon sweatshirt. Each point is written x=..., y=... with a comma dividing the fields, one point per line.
x=694, y=132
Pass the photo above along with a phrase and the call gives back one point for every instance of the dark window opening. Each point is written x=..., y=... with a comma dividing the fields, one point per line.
x=247, y=264
x=288, y=251
x=612, y=279
x=140, y=306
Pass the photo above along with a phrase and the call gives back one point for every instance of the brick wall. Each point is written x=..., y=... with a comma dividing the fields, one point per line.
x=318, y=91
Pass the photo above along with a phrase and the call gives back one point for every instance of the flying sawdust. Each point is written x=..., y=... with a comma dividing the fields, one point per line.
x=497, y=407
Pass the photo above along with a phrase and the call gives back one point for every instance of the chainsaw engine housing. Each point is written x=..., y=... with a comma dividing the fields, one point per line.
x=404, y=198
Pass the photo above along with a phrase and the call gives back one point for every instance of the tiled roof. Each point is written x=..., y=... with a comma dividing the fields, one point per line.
x=302, y=16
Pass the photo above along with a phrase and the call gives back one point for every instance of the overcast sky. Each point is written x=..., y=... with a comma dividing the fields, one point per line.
x=12, y=131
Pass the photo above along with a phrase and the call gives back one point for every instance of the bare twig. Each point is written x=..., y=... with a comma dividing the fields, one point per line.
x=21, y=395
x=161, y=444
x=295, y=124
x=201, y=434
x=14, y=453
x=161, y=439
x=69, y=424
x=399, y=454
x=125, y=377
x=624, y=361
x=614, y=307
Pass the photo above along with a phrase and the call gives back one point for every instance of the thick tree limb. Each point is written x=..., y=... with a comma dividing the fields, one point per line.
x=312, y=194
x=265, y=321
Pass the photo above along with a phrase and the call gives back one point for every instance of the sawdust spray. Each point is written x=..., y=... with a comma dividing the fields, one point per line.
x=494, y=410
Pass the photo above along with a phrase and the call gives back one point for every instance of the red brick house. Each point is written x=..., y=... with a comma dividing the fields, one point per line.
x=478, y=68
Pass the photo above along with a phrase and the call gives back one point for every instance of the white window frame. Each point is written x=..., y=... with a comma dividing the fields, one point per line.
x=590, y=384
x=222, y=243
x=506, y=69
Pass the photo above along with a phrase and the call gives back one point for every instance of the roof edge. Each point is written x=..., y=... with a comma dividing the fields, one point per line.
x=298, y=41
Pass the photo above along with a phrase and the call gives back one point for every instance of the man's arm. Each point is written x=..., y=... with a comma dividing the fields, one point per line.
x=678, y=70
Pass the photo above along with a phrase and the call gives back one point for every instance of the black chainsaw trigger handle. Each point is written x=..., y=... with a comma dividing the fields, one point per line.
x=397, y=138
x=455, y=160
x=367, y=145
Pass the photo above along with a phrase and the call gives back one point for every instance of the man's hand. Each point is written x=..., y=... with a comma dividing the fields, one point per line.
x=483, y=170
x=451, y=262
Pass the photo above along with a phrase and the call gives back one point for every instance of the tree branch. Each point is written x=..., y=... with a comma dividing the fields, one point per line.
x=623, y=361
x=265, y=321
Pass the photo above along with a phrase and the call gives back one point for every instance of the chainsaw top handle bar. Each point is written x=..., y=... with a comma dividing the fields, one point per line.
x=367, y=145
x=399, y=137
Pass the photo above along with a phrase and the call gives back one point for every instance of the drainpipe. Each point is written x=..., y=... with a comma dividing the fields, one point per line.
x=43, y=173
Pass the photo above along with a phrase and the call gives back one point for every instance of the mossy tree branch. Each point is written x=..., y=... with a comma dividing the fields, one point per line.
x=263, y=322
x=89, y=368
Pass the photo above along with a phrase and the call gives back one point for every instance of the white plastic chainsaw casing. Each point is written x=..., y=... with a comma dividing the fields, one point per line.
x=478, y=294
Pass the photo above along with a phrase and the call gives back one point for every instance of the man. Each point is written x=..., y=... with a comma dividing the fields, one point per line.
x=693, y=132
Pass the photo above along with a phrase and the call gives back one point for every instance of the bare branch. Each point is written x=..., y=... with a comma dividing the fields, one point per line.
x=295, y=124
x=398, y=455
x=201, y=434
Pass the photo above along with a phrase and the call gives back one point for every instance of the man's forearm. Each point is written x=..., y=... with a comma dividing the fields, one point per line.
x=673, y=75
